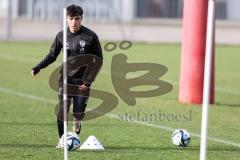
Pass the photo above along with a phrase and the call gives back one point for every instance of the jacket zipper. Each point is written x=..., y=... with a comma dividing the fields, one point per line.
x=73, y=42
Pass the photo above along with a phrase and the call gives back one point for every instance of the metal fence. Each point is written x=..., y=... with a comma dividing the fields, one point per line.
x=159, y=8
x=43, y=17
x=172, y=9
x=113, y=10
x=50, y=10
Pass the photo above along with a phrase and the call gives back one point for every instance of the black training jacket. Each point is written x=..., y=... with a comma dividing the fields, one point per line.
x=83, y=42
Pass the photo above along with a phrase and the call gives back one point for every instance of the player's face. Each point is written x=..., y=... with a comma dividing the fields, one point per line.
x=74, y=23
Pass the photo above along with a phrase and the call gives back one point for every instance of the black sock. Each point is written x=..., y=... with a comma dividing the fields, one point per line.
x=60, y=128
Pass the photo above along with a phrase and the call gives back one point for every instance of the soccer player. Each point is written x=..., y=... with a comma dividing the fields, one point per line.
x=80, y=41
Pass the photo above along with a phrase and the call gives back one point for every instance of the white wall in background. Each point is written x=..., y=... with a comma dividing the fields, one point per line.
x=3, y=8
x=233, y=7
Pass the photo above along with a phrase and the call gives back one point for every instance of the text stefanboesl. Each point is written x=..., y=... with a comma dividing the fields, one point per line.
x=157, y=116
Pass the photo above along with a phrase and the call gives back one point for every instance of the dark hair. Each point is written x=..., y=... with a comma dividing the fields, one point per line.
x=73, y=11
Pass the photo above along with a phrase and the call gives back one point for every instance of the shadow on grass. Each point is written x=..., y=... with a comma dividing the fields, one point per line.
x=137, y=149
x=131, y=149
x=227, y=104
x=111, y=125
x=53, y=124
x=224, y=148
x=27, y=146
x=26, y=123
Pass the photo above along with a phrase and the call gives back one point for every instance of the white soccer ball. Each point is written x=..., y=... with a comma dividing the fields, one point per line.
x=180, y=137
x=73, y=141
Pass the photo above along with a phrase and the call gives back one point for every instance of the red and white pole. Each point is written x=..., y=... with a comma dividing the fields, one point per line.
x=193, y=53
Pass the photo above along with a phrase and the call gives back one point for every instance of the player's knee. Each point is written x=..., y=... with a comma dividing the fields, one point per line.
x=59, y=122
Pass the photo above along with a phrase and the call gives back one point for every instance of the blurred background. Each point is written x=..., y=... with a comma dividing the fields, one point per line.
x=27, y=29
x=136, y=20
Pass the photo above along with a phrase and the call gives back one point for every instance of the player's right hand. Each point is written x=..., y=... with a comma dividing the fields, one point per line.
x=35, y=71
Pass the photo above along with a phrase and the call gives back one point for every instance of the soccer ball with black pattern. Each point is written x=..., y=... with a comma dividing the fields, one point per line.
x=181, y=138
x=73, y=141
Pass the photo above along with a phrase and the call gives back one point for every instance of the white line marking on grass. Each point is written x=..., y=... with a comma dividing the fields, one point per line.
x=228, y=91
x=34, y=61
x=173, y=129
x=19, y=59
x=25, y=95
x=216, y=89
x=166, y=128
x=25, y=60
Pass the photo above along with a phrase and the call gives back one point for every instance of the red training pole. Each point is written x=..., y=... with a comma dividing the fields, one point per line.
x=193, y=53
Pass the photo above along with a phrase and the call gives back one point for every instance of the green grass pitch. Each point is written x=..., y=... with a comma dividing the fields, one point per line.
x=28, y=123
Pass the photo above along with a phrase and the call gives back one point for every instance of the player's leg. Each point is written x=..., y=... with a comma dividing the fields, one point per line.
x=60, y=116
x=79, y=106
